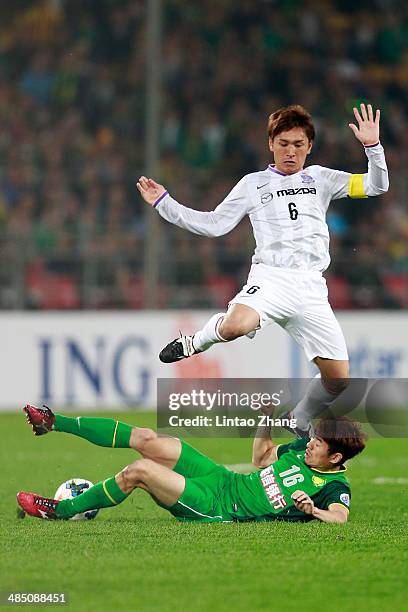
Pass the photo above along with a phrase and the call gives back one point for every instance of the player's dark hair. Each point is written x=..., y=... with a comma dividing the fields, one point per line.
x=342, y=436
x=289, y=117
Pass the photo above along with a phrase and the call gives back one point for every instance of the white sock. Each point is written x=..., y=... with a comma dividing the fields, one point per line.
x=316, y=399
x=209, y=335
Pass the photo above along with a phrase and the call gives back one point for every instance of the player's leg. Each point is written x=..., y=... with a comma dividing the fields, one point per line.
x=319, y=333
x=171, y=452
x=163, y=484
x=186, y=498
x=107, y=432
x=238, y=321
x=98, y=430
x=165, y=450
x=334, y=373
x=266, y=297
x=321, y=392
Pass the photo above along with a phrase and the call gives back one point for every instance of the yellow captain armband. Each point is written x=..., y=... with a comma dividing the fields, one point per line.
x=356, y=186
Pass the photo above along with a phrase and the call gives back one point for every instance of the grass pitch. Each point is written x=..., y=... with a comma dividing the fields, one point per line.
x=138, y=557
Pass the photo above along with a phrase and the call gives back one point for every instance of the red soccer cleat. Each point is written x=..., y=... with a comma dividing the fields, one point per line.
x=40, y=419
x=35, y=505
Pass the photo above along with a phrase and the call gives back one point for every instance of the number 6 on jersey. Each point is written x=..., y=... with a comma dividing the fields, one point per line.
x=293, y=211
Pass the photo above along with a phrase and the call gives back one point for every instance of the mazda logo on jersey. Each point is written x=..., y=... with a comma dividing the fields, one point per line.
x=266, y=197
x=296, y=191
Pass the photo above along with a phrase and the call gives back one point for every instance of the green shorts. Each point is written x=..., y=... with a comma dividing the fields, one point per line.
x=205, y=497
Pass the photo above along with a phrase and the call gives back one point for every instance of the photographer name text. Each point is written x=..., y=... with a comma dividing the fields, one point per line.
x=261, y=420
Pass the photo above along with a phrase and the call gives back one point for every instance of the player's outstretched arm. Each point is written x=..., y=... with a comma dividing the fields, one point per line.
x=215, y=223
x=367, y=130
x=337, y=513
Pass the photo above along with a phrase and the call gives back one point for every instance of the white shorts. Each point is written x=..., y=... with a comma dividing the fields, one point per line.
x=297, y=301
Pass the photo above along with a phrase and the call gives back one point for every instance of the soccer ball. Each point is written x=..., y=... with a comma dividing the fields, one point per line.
x=72, y=488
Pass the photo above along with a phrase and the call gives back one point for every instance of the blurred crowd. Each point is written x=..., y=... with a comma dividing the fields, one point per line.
x=72, y=100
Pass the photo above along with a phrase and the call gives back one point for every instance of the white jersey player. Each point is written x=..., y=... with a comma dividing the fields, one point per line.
x=286, y=204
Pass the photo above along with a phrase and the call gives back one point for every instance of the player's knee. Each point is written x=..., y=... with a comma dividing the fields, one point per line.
x=128, y=475
x=342, y=384
x=135, y=472
x=140, y=438
x=231, y=329
x=337, y=385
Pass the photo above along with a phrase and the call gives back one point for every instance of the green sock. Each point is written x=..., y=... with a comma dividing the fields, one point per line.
x=102, y=495
x=100, y=431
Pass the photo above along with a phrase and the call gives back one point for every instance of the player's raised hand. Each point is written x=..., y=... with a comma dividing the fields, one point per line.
x=303, y=502
x=150, y=190
x=367, y=130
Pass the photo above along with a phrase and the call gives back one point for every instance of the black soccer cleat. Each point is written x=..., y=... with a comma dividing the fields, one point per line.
x=180, y=348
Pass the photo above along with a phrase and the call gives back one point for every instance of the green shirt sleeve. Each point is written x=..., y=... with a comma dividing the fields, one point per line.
x=297, y=445
x=334, y=492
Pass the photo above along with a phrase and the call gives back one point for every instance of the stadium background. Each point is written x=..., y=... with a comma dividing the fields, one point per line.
x=73, y=229
x=92, y=283
x=94, y=93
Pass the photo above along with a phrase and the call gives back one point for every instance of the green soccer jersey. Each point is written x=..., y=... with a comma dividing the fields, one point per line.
x=266, y=494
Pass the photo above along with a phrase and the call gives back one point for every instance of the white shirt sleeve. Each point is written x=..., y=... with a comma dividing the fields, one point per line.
x=373, y=182
x=222, y=220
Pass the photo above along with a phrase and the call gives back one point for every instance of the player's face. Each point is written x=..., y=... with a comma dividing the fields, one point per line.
x=317, y=454
x=290, y=150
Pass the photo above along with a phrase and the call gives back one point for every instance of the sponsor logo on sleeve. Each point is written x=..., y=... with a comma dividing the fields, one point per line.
x=345, y=499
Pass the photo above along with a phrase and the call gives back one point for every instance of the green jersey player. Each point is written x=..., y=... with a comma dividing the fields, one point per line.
x=299, y=481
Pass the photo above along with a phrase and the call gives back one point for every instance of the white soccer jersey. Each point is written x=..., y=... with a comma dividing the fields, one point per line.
x=287, y=212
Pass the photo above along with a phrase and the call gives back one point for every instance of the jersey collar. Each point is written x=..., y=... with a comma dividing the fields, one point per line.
x=343, y=468
x=273, y=168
